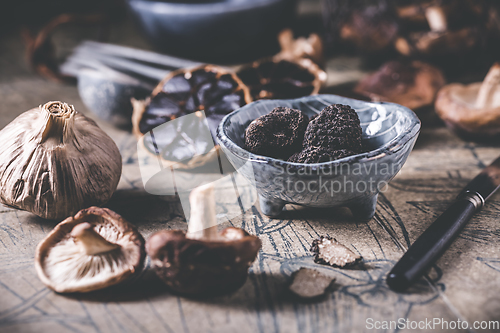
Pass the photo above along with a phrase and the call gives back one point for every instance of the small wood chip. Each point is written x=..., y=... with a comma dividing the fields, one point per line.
x=309, y=283
x=330, y=252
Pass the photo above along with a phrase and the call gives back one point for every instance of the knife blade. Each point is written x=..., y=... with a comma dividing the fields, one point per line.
x=437, y=238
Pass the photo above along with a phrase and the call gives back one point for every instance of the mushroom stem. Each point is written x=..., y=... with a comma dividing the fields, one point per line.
x=203, y=222
x=90, y=241
x=436, y=18
x=488, y=87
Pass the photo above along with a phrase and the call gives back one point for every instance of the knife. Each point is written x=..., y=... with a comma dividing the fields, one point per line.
x=437, y=238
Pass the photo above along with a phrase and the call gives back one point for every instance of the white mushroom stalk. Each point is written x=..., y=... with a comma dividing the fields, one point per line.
x=203, y=221
x=89, y=241
x=436, y=18
x=485, y=96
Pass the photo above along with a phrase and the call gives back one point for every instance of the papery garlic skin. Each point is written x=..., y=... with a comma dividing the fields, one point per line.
x=55, y=161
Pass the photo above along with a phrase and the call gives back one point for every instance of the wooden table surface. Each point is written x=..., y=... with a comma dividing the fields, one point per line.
x=463, y=285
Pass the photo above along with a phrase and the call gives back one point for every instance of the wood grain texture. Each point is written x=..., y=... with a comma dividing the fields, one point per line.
x=463, y=284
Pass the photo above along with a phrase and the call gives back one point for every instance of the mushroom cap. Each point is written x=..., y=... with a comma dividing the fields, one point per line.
x=455, y=104
x=413, y=85
x=202, y=267
x=64, y=268
x=438, y=43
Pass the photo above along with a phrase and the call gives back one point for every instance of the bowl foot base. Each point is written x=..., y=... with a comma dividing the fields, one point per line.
x=364, y=210
x=271, y=208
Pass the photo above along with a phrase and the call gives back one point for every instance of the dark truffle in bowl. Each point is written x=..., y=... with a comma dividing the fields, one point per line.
x=389, y=132
x=278, y=134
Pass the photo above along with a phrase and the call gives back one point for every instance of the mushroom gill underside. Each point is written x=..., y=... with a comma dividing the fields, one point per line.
x=69, y=268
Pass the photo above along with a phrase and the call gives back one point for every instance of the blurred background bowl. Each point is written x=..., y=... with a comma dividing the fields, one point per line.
x=213, y=29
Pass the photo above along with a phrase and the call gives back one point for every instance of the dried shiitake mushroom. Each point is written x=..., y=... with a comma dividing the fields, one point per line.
x=203, y=261
x=472, y=110
x=412, y=84
x=438, y=43
x=55, y=161
x=454, y=29
x=208, y=88
x=368, y=25
x=281, y=77
x=94, y=249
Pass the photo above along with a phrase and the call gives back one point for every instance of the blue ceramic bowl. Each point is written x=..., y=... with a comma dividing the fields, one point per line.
x=206, y=29
x=389, y=133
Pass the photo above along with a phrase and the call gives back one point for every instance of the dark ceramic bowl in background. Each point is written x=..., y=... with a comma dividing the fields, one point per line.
x=389, y=133
x=208, y=29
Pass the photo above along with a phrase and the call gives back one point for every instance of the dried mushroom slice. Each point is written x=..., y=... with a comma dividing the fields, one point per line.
x=330, y=252
x=309, y=283
x=280, y=78
x=207, y=88
x=94, y=249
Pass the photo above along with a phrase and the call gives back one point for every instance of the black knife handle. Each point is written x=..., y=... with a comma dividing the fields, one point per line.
x=433, y=242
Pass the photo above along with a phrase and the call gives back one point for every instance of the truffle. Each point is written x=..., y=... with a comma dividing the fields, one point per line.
x=309, y=283
x=277, y=134
x=318, y=155
x=336, y=127
x=330, y=252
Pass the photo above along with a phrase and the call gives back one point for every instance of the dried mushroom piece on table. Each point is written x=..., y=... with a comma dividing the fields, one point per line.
x=54, y=161
x=472, y=110
x=330, y=252
x=309, y=283
x=207, y=88
x=203, y=262
x=94, y=249
x=412, y=84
